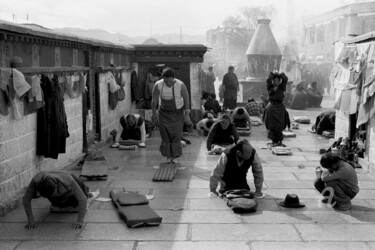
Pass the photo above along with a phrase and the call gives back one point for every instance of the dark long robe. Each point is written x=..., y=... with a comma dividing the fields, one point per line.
x=275, y=115
x=52, y=125
x=230, y=83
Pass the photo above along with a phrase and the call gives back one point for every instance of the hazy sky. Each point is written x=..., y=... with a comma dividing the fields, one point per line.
x=146, y=17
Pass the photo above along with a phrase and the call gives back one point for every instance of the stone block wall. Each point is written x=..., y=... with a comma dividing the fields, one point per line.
x=18, y=159
x=110, y=118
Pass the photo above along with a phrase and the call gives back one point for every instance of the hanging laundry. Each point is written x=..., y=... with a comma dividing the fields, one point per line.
x=136, y=88
x=5, y=100
x=353, y=101
x=5, y=74
x=34, y=99
x=364, y=112
x=19, y=83
x=66, y=86
x=52, y=126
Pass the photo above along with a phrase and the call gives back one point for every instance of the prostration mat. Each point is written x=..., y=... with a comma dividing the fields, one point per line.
x=95, y=170
x=135, y=215
x=166, y=172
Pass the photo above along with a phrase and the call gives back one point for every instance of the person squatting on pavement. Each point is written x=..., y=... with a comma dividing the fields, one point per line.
x=339, y=177
x=63, y=190
x=222, y=134
x=171, y=97
x=275, y=113
x=232, y=167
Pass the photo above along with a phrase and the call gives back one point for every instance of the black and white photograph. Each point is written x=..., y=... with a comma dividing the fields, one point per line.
x=187, y=125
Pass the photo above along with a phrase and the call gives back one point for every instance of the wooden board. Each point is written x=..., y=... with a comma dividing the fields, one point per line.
x=166, y=172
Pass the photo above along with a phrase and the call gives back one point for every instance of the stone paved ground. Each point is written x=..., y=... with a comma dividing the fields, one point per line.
x=206, y=223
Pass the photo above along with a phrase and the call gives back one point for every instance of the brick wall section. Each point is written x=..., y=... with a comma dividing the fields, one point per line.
x=110, y=118
x=18, y=159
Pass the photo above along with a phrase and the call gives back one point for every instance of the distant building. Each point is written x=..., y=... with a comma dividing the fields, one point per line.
x=229, y=47
x=321, y=31
x=151, y=41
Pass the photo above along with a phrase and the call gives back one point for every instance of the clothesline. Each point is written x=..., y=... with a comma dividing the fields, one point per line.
x=110, y=68
x=47, y=70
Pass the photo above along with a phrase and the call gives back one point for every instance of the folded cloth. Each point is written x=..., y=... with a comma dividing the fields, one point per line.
x=129, y=142
x=129, y=199
x=302, y=119
x=280, y=150
x=256, y=120
x=113, y=87
x=218, y=149
x=133, y=147
x=21, y=86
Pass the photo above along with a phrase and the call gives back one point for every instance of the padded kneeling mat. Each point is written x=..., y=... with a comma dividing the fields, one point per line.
x=289, y=134
x=136, y=215
x=131, y=199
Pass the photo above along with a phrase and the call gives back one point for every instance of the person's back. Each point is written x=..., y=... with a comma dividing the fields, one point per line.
x=298, y=99
x=222, y=132
x=212, y=104
x=254, y=108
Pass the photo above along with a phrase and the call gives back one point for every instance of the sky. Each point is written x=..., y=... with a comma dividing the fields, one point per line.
x=147, y=17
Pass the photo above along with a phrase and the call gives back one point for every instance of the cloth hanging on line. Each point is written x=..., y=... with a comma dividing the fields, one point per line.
x=52, y=126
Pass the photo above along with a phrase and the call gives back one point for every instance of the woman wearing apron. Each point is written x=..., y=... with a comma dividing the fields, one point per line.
x=171, y=97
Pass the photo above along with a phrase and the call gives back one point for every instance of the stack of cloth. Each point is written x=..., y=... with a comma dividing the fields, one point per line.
x=134, y=209
x=302, y=119
x=128, y=144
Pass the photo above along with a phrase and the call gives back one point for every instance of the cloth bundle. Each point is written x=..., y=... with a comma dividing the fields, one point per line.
x=302, y=119
x=240, y=200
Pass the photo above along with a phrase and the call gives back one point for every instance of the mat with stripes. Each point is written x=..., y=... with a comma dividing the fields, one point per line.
x=166, y=172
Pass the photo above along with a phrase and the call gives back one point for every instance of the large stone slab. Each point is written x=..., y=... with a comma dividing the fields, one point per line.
x=105, y=231
x=354, y=217
x=19, y=215
x=148, y=184
x=333, y=232
x=8, y=245
x=180, y=193
x=274, y=184
x=310, y=245
x=186, y=216
x=102, y=216
x=45, y=231
x=201, y=245
x=244, y=232
x=77, y=245
x=293, y=217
